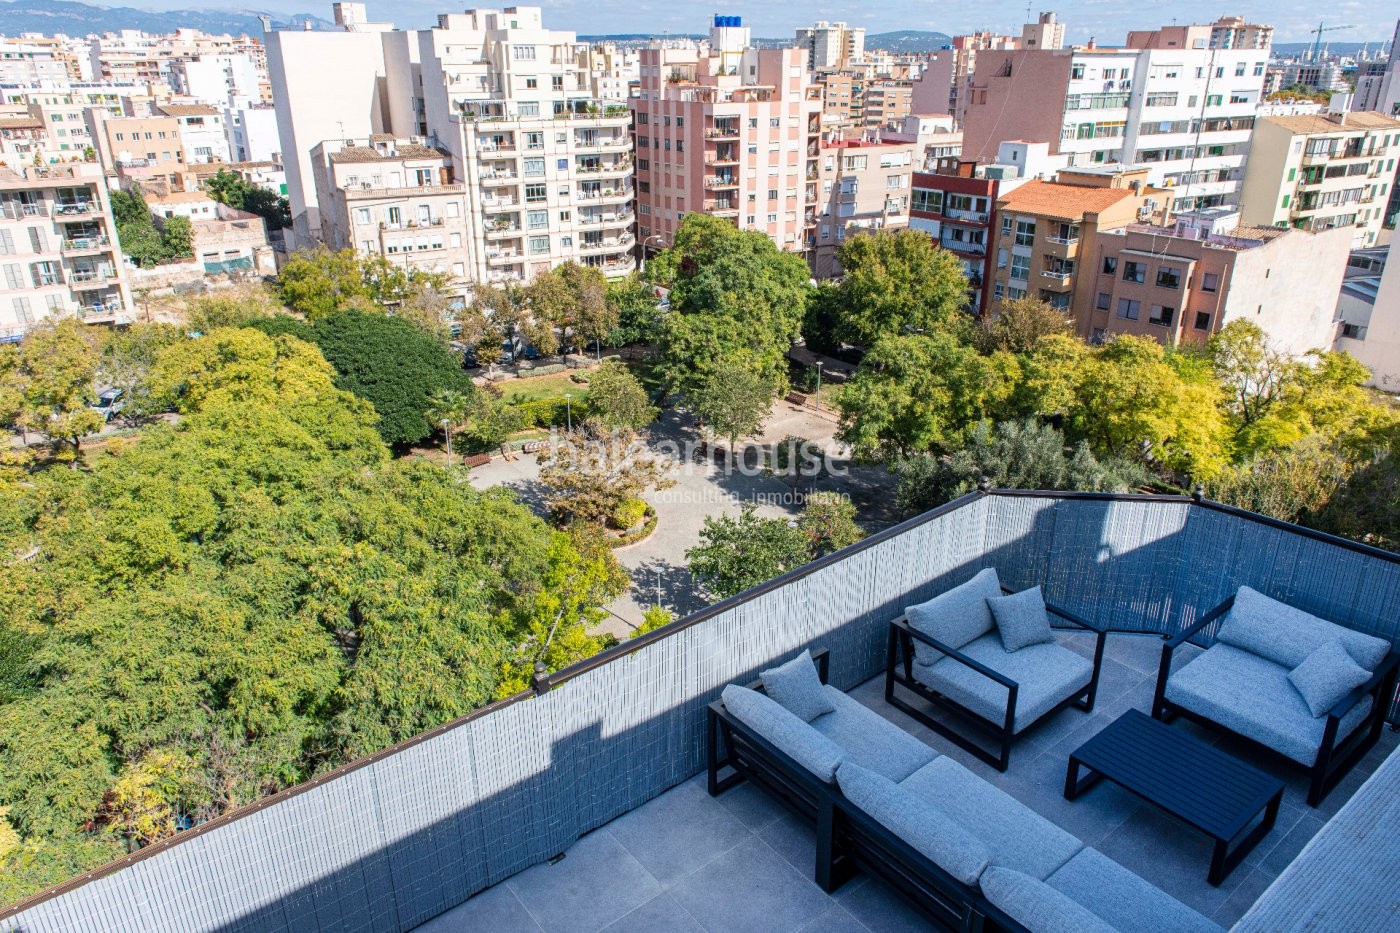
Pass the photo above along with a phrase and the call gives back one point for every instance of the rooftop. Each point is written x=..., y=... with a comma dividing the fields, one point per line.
x=401, y=151
x=187, y=110
x=574, y=805
x=1060, y=201
x=1315, y=123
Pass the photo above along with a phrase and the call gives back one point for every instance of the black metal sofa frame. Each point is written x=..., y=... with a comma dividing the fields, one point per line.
x=1333, y=760
x=847, y=838
x=899, y=670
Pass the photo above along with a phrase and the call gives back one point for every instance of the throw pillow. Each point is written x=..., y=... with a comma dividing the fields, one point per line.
x=955, y=617
x=1021, y=619
x=1325, y=676
x=797, y=688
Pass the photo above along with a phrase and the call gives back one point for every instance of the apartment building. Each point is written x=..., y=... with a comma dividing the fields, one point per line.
x=30, y=64
x=831, y=45
x=887, y=102
x=1370, y=327
x=734, y=131
x=958, y=211
x=863, y=185
x=220, y=79
x=843, y=97
x=149, y=146
x=400, y=199
x=252, y=133
x=612, y=70
x=1170, y=103
x=1228, y=32
x=1180, y=284
x=201, y=131
x=58, y=248
x=1320, y=171
x=1378, y=83
x=132, y=55
x=1045, y=227
x=22, y=139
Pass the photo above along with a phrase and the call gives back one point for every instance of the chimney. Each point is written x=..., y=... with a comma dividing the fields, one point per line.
x=1338, y=106
x=1091, y=43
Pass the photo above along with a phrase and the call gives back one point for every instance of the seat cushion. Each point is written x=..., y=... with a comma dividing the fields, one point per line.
x=1286, y=635
x=1021, y=619
x=870, y=740
x=1016, y=835
x=1037, y=906
x=955, y=617
x=1328, y=675
x=1046, y=675
x=916, y=820
x=797, y=687
x=1254, y=697
x=1122, y=899
x=792, y=736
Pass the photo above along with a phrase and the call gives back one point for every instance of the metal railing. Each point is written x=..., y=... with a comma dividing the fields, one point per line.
x=396, y=838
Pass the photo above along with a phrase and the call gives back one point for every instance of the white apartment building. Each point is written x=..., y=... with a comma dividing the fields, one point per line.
x=201, y=131
x=1322, y=171
x=252, y=133
x=31, y=64
x=392, y=197
x=831, y=45
x=611, y=70
x=58, y=248
x=1173, y=104
x=219, y=79
x=1371, y=327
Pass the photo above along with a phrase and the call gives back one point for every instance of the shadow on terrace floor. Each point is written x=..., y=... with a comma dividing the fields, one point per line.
x=689, y=862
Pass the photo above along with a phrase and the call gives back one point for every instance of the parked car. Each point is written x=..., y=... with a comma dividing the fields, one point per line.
x=109, y=403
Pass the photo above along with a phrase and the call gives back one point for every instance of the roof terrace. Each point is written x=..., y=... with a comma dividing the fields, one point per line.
x=580, y=805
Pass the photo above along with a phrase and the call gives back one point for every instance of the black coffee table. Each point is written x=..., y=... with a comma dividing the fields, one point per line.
x=1214, y=792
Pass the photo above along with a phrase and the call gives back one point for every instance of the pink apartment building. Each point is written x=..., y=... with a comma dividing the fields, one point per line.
x=734, y=132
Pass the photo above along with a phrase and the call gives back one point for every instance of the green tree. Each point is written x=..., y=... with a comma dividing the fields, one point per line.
x=1293, y=484
x=319, y=282
x=232, y=189
x=493, y=421
x=918, y=393
x=638, y=319
x=125, y=362
x=897, y=282
x=587, y=475
x=829, y=522
x=1324, y=394
x=652, y=619
x=48, y=382
x=733, y=400
x=617, y=398
x=1253, y=373
x=735, y=554
x=1018, y=325
x=230, y=307
x=177, y=238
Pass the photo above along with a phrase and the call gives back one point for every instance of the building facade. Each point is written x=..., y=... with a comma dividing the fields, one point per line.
x=735, y=132
x=58, y=248
x=959, y=213
x=831, y=45
x=1182, y=283
x=1322, y=171
x=1370, y=330
x=862, y=186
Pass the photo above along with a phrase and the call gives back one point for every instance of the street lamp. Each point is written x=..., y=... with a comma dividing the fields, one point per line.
x=658, y=587
x=447, y=429
x=820, y=364
x=569, y=409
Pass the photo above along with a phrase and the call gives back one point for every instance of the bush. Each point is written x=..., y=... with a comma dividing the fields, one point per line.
x=629, y=514
x=551, y=412
x=548, y=370
x=580, y=378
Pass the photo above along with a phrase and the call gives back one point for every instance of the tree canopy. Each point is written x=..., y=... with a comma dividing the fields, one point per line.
x=137, y=233
x=320, y=282
x=232, y=189
x=897, y=282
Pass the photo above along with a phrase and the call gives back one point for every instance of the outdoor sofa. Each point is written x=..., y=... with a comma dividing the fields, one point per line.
x=989, y=660
x=965, y=852
x=1311, y=690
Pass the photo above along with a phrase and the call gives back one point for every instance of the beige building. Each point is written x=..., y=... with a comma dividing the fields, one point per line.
x=58, y=248
x=399, y=199
x=863, y=185
x=1182, y=283
x=1045, y=230
x=151, y=145
x=1370, y=329
x=831, y=45
x=1321, y=171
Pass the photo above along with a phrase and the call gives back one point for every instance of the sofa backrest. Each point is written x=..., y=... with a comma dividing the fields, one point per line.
x=787, y=732
x=955, y=617
x=1286, y=635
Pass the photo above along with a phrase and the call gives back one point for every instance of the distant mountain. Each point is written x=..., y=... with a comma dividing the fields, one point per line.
x=81, y=19
x=907, y=40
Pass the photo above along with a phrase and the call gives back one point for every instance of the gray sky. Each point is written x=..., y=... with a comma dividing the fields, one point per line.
x=1106, y=20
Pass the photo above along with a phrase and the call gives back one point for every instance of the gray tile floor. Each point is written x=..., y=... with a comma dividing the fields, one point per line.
x=739, y=862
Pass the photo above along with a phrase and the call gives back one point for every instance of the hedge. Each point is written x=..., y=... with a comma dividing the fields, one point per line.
x=550, y=412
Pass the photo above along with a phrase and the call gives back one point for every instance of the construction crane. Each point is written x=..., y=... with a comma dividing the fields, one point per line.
x=1317, y=43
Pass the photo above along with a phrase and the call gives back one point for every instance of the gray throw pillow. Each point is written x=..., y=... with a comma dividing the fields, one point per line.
x=954, y=617
x=1326, y=676
x=797, y=688
x=1021, y=619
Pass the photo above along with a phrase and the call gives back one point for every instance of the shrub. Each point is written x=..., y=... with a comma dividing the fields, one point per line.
x=629, y=514
x=551, y=412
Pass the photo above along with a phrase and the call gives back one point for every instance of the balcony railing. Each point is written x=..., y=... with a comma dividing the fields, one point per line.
x=496, y=233
x=721, y=181
x=88, y=276
x=84, y=244
x=1058, y=275
x=72, y=208
x=13, y=210
x=606, y=194
x=413, y=830
x=1063, y=240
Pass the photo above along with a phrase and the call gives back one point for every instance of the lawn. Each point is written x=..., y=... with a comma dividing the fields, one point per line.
x=541, y=387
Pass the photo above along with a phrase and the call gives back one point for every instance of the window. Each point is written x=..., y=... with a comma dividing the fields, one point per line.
x=931, y=201
x=22, y=311
x=1162, y=316
x=1128, y=308
x=531, y=84
x=1210, y=281
x=534, y=166
x=395, y=217
x=1239, y=69
x=536, y=192
x=1168, y=277
x=772, y=194
x=1104, y=301
x=564, y=216
x=1258, y=69
x=1006, y=226
x=530, y=108
x=1134, y=272
x=1076, y=70
x=362, y=215
x=539, y=245
x=525, y=53
x=537, y=219
x=1202, y=320
x=534, y=140
x=1020, y=267
x=1025, y=232
x=557, y=82
x=1214, y=100
x=7, y=243
x=855, y=162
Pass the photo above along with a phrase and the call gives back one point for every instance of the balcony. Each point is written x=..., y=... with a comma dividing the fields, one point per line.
x=607, y=194
x=502, y=232
x=14, y=210
x=498, y=178
x=498, y=256
x=601, y=762
x=976, y=217
x=1058, y=276
x=721, y=181
x=601, y=142
x=621, y=218
x=493, y=202
x=86, y=244
x=73, y=208
x=606, y=169
x=607, y=243
x=723, y=131
x=91, y=276
x=1063, y=240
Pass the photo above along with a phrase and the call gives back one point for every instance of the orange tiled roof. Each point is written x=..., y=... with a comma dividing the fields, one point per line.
x=1063, y=202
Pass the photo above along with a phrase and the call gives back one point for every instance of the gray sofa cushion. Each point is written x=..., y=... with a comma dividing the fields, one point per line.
x=1327, y=675
x=1253, y=696
x=1037, y=906
x=955, y=617
x=1016, y=835
x=1122, y=899
x=1286, y=635
x=870, y=740
x=916, y=820
x=797, y=687
x=804, y=744
x=1021, y=619
x=1045, y=673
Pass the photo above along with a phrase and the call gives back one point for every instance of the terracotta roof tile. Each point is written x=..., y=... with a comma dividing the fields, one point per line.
x=187, y=110
x=1064, y=202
